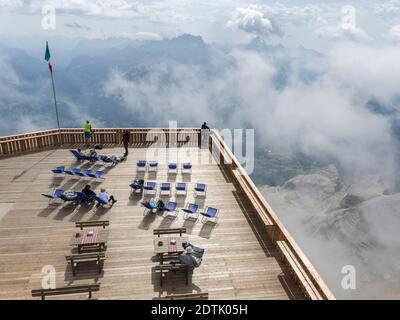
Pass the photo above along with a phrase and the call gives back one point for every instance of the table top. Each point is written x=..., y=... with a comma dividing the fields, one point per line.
x=166, y=247
x=89, y=237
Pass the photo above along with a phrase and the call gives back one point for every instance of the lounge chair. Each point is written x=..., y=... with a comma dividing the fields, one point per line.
x=78, y=155
x=137, y=185
x=72, y=172
x=54, y=196
x=141, y=165
x=153, y=165
x=78, y=172
x=170, y=208
x=83, y=198
x=148, y=207
x=81, y=157
x=172, y=168
x=69, y=197
x=200, y=190
x=186, y=168
x=210, y=214
x=180, y=188
x=191, y=211
x=150, y=187
x=95, y=175
x=58, y=170
x=165, y=189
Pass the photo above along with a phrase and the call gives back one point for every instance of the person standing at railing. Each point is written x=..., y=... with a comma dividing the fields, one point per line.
x=88, y=132
x=125, y=141
x=205, y=130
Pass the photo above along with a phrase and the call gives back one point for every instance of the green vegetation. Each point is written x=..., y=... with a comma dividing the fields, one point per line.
x=275, y=169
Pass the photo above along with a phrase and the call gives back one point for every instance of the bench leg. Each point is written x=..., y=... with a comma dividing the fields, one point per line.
x=90, y=293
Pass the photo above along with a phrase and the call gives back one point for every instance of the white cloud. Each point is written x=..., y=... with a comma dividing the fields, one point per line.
x=252, y=20
x=394, y=33
x=327, y=118
x=390, y=7
x=341, y=33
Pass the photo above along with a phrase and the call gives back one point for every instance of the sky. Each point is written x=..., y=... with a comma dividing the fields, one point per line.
x=312, y=24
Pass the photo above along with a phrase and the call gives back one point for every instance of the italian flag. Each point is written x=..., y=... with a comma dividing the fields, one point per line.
x=47, y=57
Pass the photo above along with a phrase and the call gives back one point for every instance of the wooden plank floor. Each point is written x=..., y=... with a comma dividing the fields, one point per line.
x=239, y=262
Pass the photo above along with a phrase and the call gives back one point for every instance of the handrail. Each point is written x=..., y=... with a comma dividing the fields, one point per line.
x=278, y=232
x=41, y=140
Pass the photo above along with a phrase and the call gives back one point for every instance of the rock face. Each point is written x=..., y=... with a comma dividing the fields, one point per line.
x=338, y=225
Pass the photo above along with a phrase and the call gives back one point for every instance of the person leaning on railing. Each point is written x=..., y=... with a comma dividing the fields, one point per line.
x=88, y=131
x=205, y=130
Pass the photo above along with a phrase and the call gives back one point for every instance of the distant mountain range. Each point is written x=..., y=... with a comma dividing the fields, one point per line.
x=81, y=68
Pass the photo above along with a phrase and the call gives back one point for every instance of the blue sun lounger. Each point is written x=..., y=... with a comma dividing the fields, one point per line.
x=150, y=187
x=210, y=214
x=180, y=189
x=69, y=197
x=54, y=196
x=58, y=170
x=170, y=208
x=141, y=165
x=137, y=185
x=149, y=207
x=78, y=155
x=172, y=168
x=72, y=171
x=191, y=211
x=186, y=168
x=165, y=189
x=83, y=198
x=200, y=190
x=95, y=175
x=153, y=165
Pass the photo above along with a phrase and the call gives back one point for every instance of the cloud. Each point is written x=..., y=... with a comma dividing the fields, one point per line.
x=142, y=36
x=76, y=25
x=341, y=32
x=394, y=33
x=252, y=20
x=390, y=7
x=326, y=119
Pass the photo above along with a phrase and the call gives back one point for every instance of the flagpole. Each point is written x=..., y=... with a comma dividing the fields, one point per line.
x=54, y=92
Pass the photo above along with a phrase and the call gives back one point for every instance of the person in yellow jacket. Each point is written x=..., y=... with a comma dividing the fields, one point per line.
x=88, y=131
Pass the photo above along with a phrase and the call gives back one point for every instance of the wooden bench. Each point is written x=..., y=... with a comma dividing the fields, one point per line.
x=165, y=268
x=295, y=267
x=87, y=224
x=187, y=296
x=159, y=232
x=75, y=259
x=66, y=290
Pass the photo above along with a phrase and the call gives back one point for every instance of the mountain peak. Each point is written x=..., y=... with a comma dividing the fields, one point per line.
x=189, y=38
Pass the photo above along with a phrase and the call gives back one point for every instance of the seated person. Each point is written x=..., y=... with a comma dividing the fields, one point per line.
x=151, y=204
x=189, y=259
x=160, y=205
x=104, y=196
x=113, y=159
x=88, y=192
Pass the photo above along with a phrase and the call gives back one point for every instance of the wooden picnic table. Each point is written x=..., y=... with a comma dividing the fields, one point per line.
x=90, y=238
x=166, y=247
